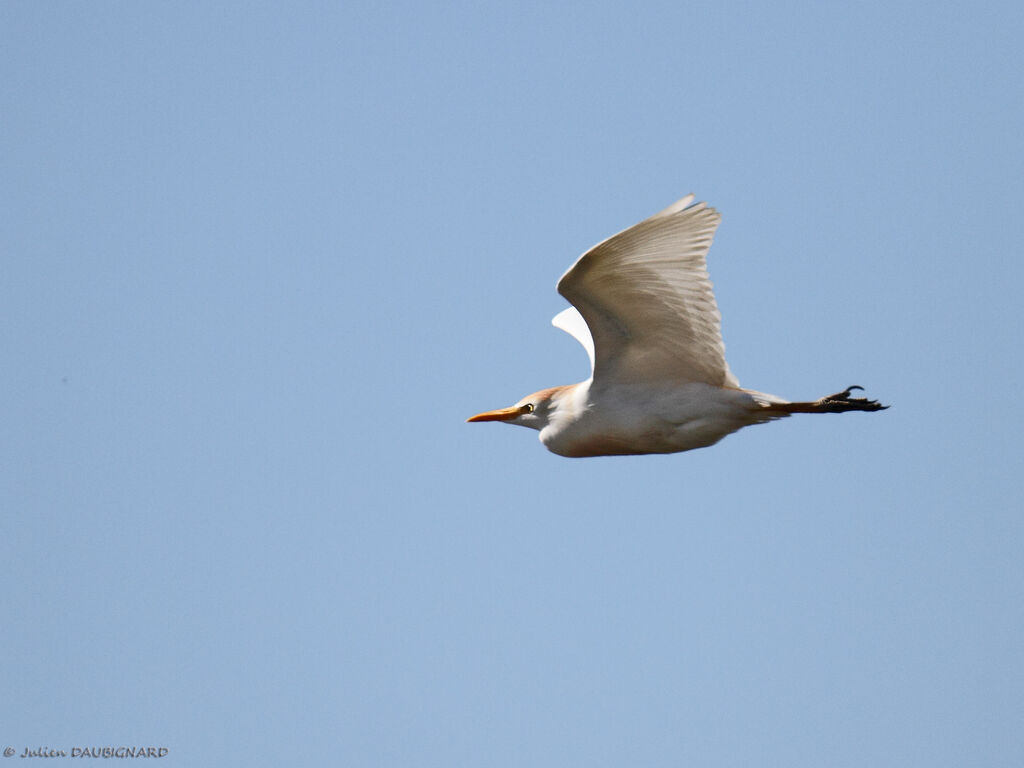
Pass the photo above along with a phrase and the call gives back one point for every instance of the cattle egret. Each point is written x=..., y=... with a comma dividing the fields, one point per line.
x=644, y=310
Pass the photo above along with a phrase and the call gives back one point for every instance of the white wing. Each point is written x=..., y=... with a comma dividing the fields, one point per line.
x=647, y=299
x=572, y=322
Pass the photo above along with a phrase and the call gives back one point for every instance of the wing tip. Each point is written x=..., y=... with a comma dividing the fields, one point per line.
x=558, y=319
x=684, y=203
x=572, y=322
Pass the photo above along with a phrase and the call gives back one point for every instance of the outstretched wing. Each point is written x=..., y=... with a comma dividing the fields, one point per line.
x=647, y=299
x=572, y=322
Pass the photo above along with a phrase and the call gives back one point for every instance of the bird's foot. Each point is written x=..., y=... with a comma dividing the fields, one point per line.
x=841, y=402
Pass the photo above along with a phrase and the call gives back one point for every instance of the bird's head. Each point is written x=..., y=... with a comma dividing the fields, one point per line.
x=534, y=411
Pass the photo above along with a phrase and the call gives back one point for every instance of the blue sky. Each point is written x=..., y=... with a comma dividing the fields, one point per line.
x=259, y=263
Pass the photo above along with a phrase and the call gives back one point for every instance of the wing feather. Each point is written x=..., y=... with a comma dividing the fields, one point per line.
x=572, y=322
x=646, y=296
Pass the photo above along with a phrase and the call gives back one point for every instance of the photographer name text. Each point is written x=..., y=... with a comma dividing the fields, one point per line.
x=108, y=752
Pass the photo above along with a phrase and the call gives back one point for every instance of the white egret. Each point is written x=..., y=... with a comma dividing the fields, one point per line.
x=644, y=310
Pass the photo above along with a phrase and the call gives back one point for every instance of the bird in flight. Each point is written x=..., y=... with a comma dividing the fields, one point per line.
x=644, y=310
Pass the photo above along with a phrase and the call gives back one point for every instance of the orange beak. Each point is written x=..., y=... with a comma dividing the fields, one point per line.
x=502, y=414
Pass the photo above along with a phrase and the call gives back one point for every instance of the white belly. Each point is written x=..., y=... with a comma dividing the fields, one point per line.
x=631, y=419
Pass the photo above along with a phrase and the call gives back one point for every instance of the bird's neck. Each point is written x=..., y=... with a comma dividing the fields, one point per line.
x=569, y=401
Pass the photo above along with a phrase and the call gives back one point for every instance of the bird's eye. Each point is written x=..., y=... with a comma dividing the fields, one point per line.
x=528, y=408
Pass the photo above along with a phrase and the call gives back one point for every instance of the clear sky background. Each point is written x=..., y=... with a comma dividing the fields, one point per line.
x=259, y=263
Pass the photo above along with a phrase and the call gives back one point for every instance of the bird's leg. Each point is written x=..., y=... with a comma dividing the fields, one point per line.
x=840, y=402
